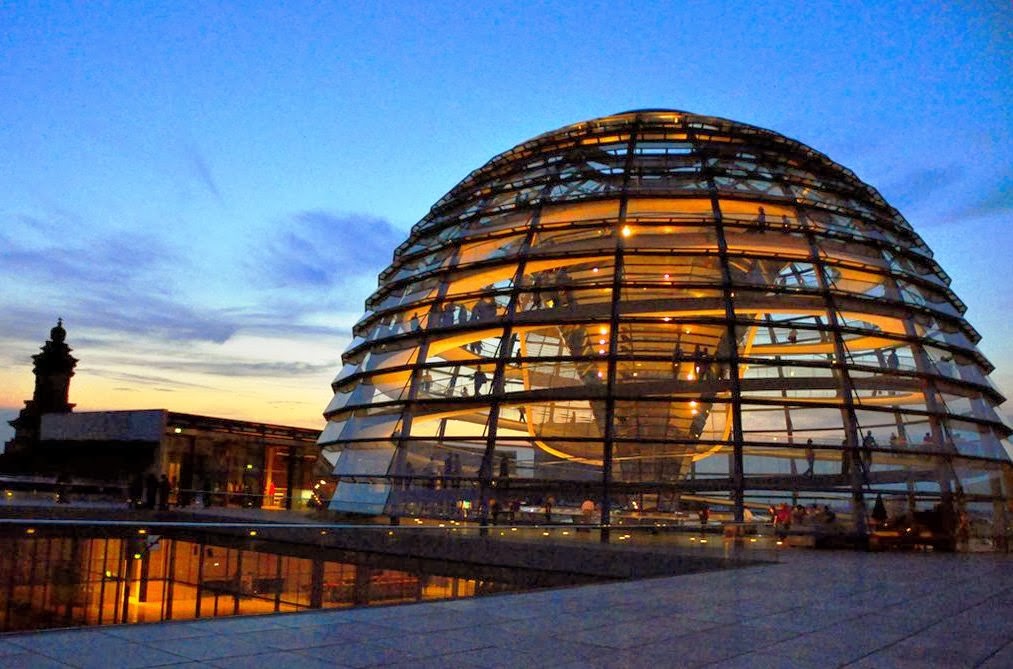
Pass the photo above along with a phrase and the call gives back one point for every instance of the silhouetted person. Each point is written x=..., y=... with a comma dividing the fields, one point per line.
x=704, y=515
x=448, y=469
x=868, y=443
x=564, y=280
x=879, y=511
x=409, y=472
x=456, y=469
x=480, y=379
x=810, y=457
x=163, y=493
x=536, y=292
x=761, y=220
x=447, y=315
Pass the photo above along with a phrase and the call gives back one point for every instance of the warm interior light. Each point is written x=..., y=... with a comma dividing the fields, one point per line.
x=626, y=231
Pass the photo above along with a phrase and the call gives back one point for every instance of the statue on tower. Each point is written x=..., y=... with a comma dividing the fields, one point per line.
x=53, y=368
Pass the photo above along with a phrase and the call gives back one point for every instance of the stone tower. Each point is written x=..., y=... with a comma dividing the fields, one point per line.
x=53, y=368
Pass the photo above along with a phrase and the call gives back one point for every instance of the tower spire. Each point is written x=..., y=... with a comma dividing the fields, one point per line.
x=53, y=369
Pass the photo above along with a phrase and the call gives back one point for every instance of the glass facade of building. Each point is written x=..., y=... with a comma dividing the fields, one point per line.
x=73, y=576
x=656, y=309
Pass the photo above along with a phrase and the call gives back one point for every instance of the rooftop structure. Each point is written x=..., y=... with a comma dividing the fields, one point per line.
x=221, y=460
x=660, y=311
x=53, y=369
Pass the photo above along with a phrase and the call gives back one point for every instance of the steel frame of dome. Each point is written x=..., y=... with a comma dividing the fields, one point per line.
x=658, y=307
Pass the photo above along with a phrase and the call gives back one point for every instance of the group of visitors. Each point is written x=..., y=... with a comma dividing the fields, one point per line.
x=761, y=221
x=783, y=516
x=511, y=508
x=154, y=492
x=704, y=365
x=453, y=313
x=449, y=475
x=551, y=289
x=150, y=492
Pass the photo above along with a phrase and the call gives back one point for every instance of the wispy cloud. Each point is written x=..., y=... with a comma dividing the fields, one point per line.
x=237, y=367
x=995, y=201
x=147, y=381
x=202, y=172
x=919, y=186
x=322, y=250
x=112, y=280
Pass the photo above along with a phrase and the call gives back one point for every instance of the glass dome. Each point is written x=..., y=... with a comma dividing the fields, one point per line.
x=658, y=309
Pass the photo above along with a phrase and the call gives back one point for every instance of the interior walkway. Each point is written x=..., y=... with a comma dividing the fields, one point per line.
x=812, y=609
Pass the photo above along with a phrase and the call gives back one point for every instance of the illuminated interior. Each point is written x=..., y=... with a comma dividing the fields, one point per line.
x=655, y=305
x=83, y=576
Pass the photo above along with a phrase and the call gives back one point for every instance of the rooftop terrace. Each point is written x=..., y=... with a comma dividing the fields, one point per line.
x=808, y=609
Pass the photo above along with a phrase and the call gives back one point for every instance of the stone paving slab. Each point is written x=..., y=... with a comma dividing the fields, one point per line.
x=811, y=609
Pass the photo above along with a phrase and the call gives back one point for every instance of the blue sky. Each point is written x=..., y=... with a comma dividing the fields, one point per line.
x=205, y=192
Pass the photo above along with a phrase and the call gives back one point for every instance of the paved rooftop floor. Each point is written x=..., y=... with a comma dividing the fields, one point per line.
x=812, y=609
